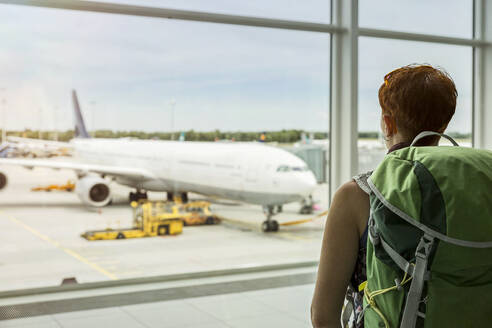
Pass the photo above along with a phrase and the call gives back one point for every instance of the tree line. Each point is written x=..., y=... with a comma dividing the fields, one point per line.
x=282, y=136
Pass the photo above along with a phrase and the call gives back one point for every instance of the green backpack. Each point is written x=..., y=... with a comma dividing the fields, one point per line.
x=429, y=251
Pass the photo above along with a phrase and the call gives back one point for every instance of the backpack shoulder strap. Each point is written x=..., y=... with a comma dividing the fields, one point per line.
x=361, y=180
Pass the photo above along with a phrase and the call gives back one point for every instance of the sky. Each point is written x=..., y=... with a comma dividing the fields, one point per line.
x=133, y=73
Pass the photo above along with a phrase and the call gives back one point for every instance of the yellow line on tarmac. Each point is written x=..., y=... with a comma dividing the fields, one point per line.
x=66, y=250
x=304, y=220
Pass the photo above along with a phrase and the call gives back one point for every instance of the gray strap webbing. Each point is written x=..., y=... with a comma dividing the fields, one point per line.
x=397, y=258
x=410, y=313
x=402, y=263
x=432, y=133
x=376, y=239
x=361, y=181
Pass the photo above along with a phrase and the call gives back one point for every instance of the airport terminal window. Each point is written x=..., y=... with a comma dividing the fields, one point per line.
x=316, y=11
x=456, y=60
x=242, y=98
x=438, y=17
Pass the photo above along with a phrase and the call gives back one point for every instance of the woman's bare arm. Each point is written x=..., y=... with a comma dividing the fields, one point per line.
x=345, y=224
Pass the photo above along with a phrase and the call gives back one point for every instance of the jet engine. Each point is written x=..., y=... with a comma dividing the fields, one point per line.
x=3, y=180
x=93, y=191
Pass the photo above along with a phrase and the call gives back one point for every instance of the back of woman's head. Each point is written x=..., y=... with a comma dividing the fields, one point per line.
x=419, y=98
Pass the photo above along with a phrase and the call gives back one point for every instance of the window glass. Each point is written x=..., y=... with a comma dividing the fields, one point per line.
x=238, y=102
x=316, y=11
x=440, y=17
x=379, y=57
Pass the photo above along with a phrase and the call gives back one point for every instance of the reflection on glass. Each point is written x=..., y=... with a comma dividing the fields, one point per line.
x=379, y=57
x=164, y=109
x=439, y=17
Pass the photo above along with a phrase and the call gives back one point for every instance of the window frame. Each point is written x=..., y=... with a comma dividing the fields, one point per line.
x=345, y=32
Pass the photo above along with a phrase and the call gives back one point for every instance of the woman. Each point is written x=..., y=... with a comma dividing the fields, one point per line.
x=413, y=99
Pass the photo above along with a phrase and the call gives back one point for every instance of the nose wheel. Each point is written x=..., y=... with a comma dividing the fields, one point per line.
x=269, y=225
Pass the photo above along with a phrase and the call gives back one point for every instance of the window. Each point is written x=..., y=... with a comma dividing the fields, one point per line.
x=438, y=17
x=380, y=56
x=316, y=11
x=158, y=80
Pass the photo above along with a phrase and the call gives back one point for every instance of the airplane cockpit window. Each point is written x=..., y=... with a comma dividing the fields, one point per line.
x=283, y=168
x=300, y=168
x=286, y=168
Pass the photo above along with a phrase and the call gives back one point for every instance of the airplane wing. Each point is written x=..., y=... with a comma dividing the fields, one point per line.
x=52, y=143
x=122, y=171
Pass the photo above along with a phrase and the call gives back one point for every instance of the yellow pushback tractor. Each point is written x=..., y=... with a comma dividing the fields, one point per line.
x=150, y=219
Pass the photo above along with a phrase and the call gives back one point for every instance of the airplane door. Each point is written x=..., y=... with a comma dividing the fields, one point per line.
x=252, y=173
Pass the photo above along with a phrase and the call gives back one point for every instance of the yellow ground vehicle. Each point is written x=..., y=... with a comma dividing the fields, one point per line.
x=69, y=186
x=199, y=213
x=149, y=219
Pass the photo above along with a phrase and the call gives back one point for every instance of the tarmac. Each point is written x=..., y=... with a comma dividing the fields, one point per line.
x=41, y=243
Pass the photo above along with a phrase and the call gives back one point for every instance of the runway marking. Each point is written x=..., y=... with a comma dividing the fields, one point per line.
x=58, y=245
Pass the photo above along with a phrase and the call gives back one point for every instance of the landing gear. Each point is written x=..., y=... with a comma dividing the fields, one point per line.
x=306, y=209
x=269, y=225
x=181, y=197
x=136, y=196
x=307, y=205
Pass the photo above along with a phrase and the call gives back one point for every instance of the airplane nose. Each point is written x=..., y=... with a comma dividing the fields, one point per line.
x=308, y=183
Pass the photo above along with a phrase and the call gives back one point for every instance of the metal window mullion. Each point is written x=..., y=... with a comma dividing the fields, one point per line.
x=155, y=12
x=483, y=80
x=343, y=125
x=388, y=34
x=478, y=81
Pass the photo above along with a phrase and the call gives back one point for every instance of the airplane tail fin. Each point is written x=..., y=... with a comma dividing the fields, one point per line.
x=80, y=130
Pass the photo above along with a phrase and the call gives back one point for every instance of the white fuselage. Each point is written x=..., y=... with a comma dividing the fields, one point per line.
x=249, y=172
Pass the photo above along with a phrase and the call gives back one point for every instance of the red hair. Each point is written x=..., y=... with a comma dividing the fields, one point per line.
x=419, y=98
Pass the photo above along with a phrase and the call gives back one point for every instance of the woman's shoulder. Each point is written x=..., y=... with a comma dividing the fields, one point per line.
x=352, y=190
x=354, y=200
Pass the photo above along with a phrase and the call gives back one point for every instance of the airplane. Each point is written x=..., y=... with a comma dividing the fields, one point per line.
x=253, y=173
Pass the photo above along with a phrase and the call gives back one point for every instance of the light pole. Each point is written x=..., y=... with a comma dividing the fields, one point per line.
x=172, y=103
x=40, y=111
x=56, y=122
x=93, y=117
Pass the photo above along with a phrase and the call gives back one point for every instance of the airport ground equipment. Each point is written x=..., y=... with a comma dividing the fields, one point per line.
x=192, y=213
x=150, y=219
x=199, y=213
x=69, y=186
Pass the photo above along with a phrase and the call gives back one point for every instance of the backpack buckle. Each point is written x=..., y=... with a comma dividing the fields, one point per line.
x=424, y=247
x=373, y=234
